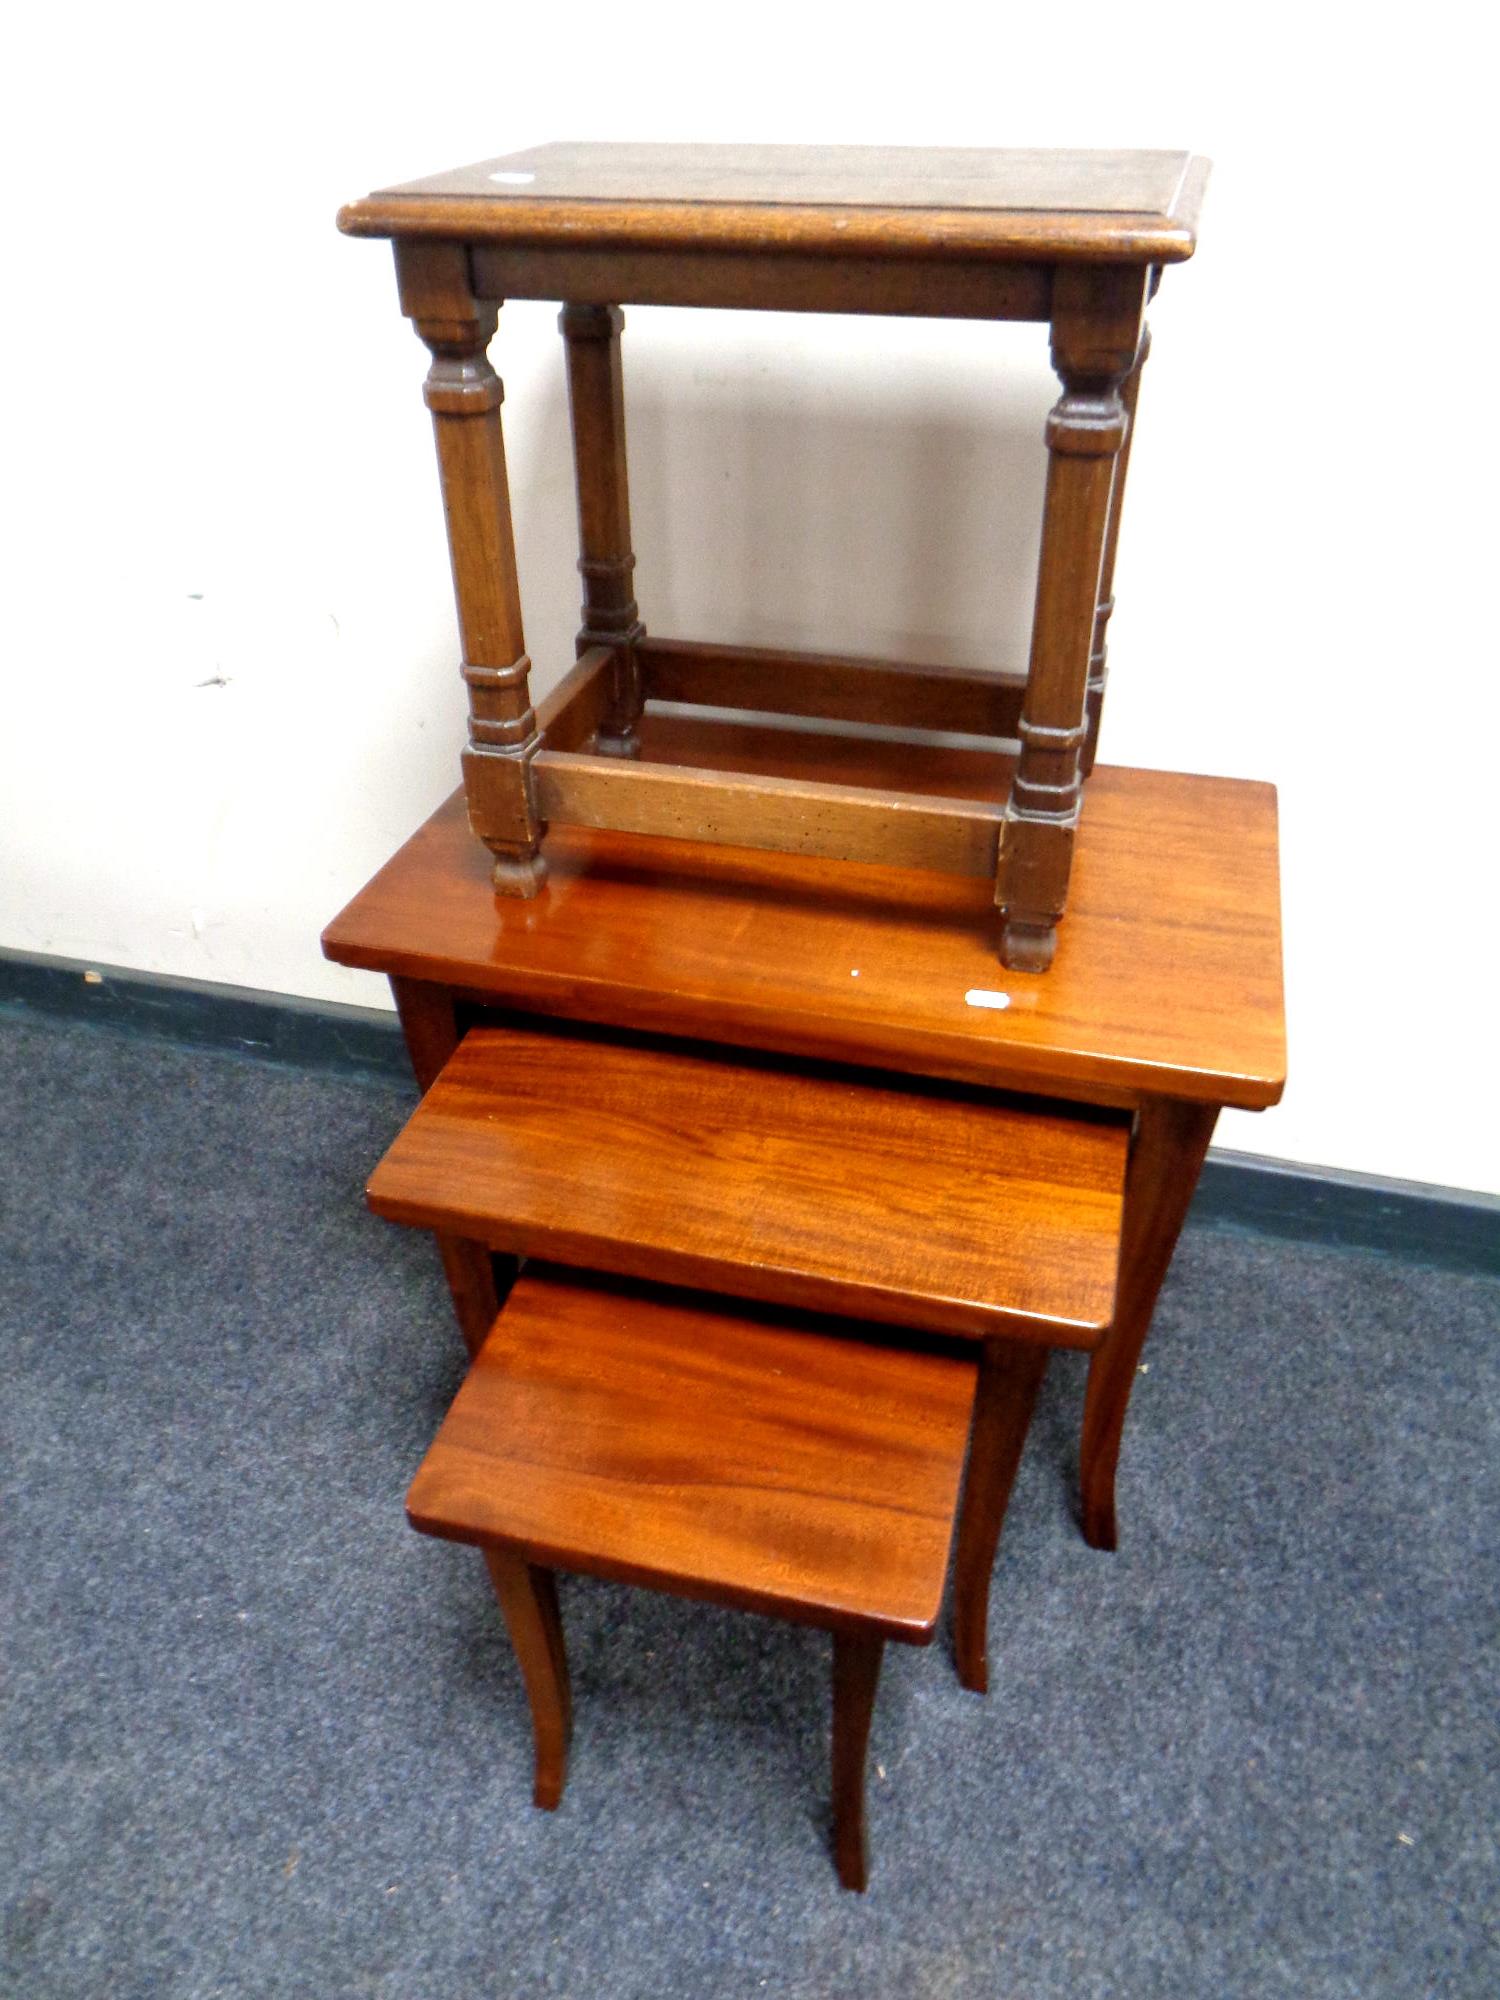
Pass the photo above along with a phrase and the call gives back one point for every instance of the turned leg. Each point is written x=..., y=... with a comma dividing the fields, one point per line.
x=606, y=563
x=1010, y=1375
x=1096, y=323
x=528, y=1598
x=856, y=1674
x=1130, y=391
x=477, y=1280
x=464, y=394
x=1166, y=1156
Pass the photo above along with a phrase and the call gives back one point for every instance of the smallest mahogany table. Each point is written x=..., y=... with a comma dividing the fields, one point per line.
x=665, y=1440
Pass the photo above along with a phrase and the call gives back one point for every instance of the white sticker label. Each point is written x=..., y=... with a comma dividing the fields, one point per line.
x=513, y=179
x=985, y=996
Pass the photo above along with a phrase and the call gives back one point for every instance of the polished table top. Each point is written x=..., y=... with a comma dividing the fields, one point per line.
x=1167, y=979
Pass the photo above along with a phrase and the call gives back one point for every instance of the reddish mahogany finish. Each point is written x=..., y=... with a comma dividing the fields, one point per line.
x=950, y=1209
x=664, y=1439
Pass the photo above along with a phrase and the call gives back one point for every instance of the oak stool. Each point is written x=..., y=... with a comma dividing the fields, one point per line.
x=1074, y=240
x=666, y=1440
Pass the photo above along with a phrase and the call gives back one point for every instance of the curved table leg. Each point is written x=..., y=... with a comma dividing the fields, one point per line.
x=528, y=1598
x=856, y=1674
x=477, y=1280
x=1010, y=1374
x=1166, y=1156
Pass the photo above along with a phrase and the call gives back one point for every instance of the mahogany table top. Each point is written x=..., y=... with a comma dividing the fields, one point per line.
x=920, y=1204
x=1167, y=979
x=670, y=1440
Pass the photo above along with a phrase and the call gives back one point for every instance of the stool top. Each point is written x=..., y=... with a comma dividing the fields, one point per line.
x=1131, y=207
x=780, y=1464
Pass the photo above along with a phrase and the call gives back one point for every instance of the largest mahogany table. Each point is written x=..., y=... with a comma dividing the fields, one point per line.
x=1164, y=998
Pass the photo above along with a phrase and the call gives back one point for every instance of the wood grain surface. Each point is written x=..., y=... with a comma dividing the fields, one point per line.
x=856, y=1677
x=944, y=1207
x=663, y=1440
x=1096, y=331
x=1167, y=978
x=969, y=701
x=780, y=815
x=1140, y=206
x=528, y=1602
x=1009, y=1377
x=806, y=280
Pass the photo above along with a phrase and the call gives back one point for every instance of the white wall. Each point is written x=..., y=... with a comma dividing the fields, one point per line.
x=232, y=686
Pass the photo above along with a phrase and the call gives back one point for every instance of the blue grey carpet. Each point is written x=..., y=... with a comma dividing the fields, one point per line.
x=262, y=1740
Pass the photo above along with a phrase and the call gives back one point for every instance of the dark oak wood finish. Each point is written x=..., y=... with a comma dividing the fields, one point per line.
x=833, y=686
x=1009, y=1377
x=1077, y=239
x=1096, y=331
x=836, y=822
x=572, y=715
x=950, y=1210
x=464, y=395
x=926, y=203
x=596, y=398
x=1130, y=391
x=746, y=280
